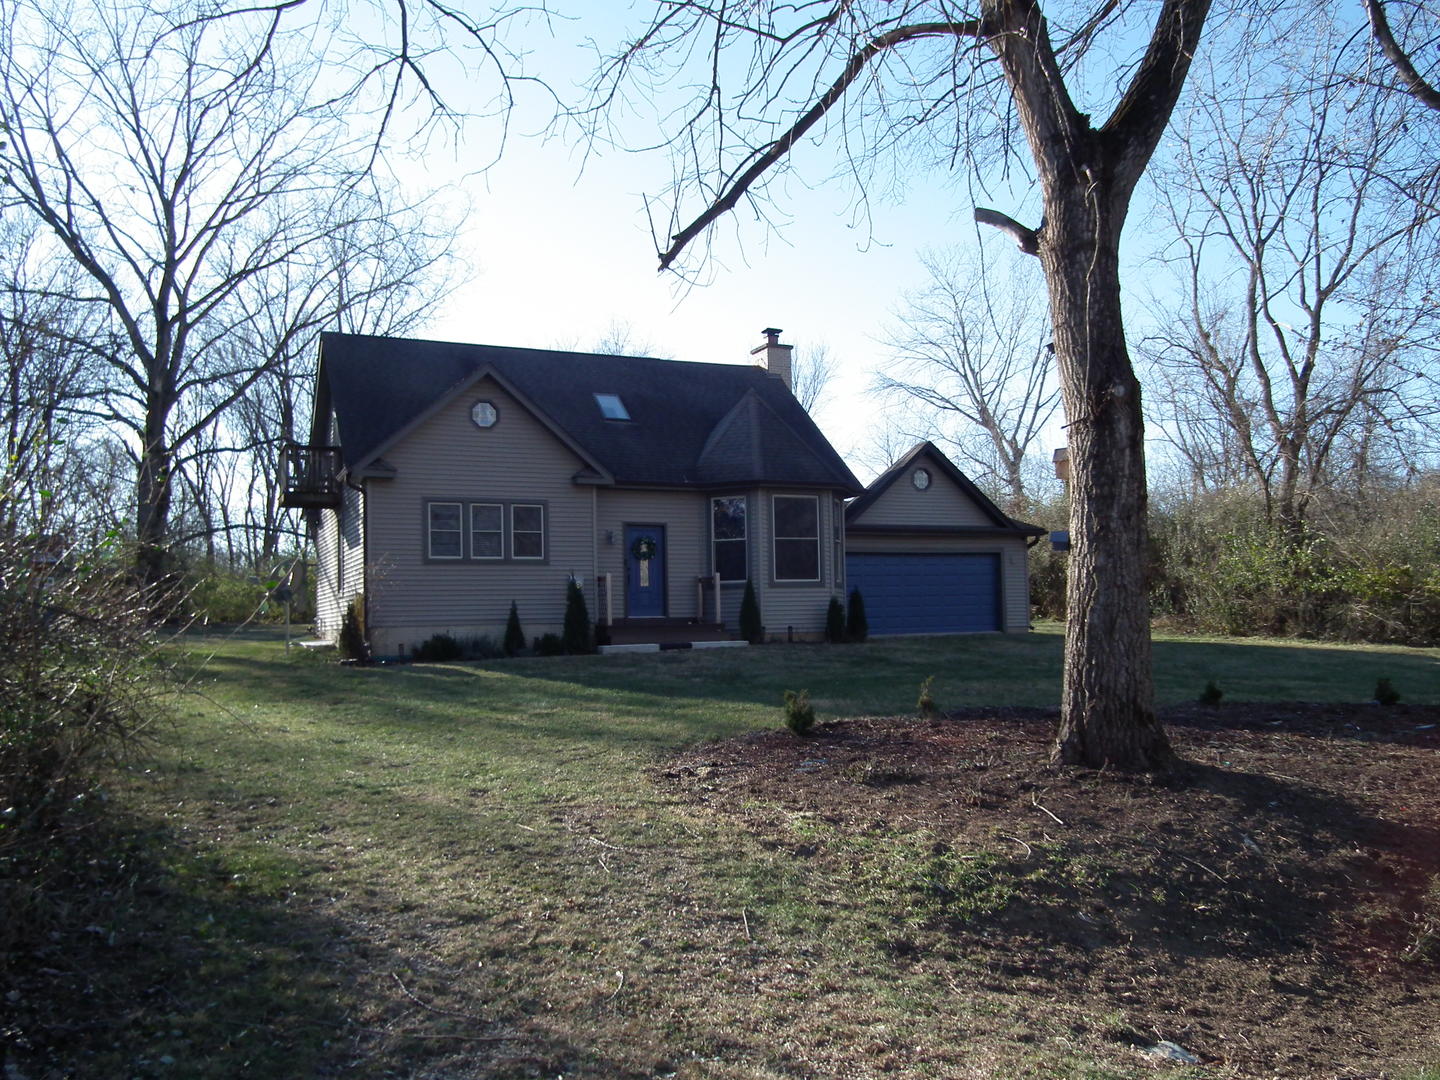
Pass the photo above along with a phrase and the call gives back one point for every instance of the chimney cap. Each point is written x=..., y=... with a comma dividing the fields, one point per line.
x=772, y=332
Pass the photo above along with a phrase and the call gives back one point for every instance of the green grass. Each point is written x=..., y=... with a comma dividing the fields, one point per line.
x=388, y=870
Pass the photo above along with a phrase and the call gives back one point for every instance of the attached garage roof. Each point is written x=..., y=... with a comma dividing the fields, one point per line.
x=988, y=520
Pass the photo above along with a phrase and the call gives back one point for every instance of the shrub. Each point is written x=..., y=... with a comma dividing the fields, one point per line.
x=1385, y=693
x=483, y=648
x=438, y=648
x=550, y=645
x=751, y=628
x=799, y=715
x=216, y=595
x=602, y=634
x=857, y=627
x=577, y=621
x=835, y=621
x=351, y=642
x=926, y=702
x=80, y=687
x=1211, y=695
x=514, y=643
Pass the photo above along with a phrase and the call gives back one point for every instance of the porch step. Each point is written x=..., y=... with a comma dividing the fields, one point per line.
x=665, y=632
x=657, y=647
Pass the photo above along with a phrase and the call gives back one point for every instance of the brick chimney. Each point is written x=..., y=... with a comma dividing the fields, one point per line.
x=777, y=357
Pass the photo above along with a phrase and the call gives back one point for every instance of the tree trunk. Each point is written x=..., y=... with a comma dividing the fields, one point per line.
x=1107, y=707
x=152, y=511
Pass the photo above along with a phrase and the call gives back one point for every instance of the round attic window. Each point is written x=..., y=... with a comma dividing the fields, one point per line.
x=484, y=414
x=921, y=479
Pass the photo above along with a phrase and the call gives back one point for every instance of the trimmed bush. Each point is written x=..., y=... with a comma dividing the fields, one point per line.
x=351, y=642
x=799, y=714
x=835, y=621
x=751, y=628
x=514, y=643
x=577, y=621
x=857, y=627
x=438, y=648
x=549, y=645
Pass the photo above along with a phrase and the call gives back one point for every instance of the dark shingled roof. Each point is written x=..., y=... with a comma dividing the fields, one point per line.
x=690, y=424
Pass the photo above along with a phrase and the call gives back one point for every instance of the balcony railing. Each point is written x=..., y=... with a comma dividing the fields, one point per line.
x=310, y=476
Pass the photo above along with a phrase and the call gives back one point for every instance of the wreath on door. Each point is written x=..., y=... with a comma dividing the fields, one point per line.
x=644, y=548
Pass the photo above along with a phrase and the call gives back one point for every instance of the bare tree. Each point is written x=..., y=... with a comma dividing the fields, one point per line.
x=812, y=371
x=50, y=384
x=971, y=348
x=868, y=74
x=1308, y=315
x=177, y=160
x=1416, y=78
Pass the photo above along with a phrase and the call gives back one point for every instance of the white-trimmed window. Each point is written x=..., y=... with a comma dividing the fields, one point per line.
x=729, y=537
x=445, y=537
x=527, y=531
x=797, y=537
x=487, y=530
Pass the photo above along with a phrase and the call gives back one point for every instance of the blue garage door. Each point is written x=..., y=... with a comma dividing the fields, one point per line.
x=927, y=594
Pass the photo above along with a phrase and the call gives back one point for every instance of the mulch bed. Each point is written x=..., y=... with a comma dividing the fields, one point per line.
x=1273, y=907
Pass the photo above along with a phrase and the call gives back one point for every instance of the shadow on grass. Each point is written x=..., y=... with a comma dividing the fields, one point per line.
x=147, y=959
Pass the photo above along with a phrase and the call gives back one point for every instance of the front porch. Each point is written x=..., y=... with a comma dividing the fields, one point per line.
x=668, y=633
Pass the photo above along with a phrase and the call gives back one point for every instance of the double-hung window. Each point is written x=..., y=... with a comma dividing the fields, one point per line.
x=445, y=538
x=487, y=530
x=728, y=537
x=797, y=538
x=494, y=531
x=527, y=531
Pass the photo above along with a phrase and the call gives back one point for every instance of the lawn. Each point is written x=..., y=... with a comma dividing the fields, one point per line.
x=481, y=870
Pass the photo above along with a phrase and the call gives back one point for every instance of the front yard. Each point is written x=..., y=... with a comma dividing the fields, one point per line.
x=544, y=867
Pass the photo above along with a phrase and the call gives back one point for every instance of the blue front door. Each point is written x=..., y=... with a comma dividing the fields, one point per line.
x=644, y=571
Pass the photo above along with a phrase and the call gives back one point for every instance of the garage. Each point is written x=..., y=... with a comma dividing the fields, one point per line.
x=931, y=554
x=917, y=593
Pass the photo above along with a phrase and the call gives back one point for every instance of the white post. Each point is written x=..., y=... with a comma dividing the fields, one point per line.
x=609, y=608
x=719, y=614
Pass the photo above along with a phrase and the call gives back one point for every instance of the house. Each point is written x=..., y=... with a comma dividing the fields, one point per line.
x=445, y=481
x=932, y=554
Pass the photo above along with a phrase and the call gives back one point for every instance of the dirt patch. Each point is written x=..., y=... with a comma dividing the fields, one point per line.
x=1274, y=908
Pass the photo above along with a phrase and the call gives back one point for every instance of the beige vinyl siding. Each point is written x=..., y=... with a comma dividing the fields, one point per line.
x=448, y=458
x=800, y=606
x=327, y=575
x=340, y=560
x=1014, y=575
x=942, y=503
x=687, y=539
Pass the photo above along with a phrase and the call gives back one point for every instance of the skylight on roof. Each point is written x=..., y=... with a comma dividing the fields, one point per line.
x=611, y=407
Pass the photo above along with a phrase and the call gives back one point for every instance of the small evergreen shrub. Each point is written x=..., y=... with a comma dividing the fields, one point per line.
x=1386, y=694
x=514, y=643
x=483, y=648
x=351, y=642
x=577, y=637
x=799, y=714
x=751, y=628
x=857, y=627
x=550, y=645
x=835, y=621
x=438, y=648
x=926, y=702
x=1211, y=695
x=602, y=634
